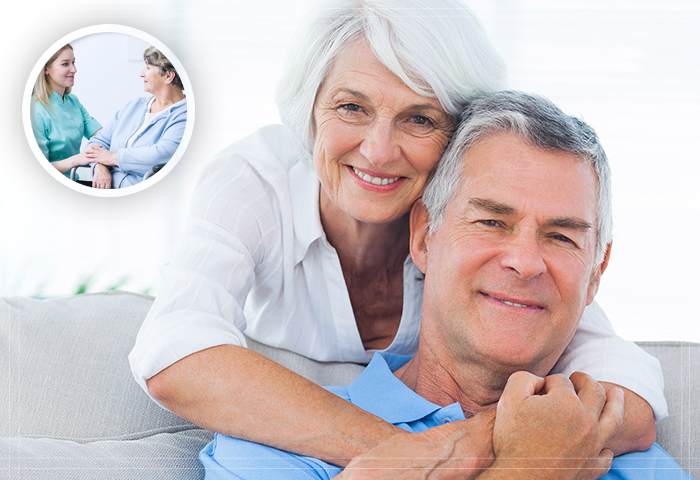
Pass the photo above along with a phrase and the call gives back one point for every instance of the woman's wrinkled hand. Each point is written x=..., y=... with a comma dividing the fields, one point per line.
x=101, y=177
x=98, y=154
x=458, y=450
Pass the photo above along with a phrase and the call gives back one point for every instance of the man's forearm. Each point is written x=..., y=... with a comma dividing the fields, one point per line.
x=240, y=393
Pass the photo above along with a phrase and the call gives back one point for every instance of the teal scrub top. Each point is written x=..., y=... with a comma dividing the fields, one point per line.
x=60, y=132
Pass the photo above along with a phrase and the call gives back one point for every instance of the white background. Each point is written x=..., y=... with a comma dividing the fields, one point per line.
x=631, y=68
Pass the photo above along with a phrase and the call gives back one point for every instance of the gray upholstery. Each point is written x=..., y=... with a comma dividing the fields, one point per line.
x=679, y=434
x=69, y=408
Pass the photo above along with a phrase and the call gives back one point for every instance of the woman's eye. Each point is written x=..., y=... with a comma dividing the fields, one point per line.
x=421, y=120
x=351, y=107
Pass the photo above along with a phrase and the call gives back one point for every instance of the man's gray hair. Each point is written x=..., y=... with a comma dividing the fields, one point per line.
x=537, y=120
x=438, y=50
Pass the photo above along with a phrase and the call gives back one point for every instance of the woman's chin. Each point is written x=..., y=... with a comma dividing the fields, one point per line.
x=376, y=213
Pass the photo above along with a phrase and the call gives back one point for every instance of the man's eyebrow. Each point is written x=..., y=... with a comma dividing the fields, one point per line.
x=497, y=208
x=570, y=223
x=492, y=206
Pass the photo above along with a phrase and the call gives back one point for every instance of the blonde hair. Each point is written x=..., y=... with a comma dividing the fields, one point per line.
x=42, y=88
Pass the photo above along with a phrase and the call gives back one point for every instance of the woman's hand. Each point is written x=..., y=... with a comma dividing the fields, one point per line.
x=64, y=166
x=458, y=450
x=98, y=154
x=101, y=177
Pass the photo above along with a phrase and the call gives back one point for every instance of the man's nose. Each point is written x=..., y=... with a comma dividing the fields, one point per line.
x=380, y=146
x=523, y=256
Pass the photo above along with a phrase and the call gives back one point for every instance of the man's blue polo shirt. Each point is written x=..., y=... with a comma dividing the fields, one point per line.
x=378, y=391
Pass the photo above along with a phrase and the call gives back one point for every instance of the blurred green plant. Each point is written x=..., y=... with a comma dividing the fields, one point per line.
x=88, y=284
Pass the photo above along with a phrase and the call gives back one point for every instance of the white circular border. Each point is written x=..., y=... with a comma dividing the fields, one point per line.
x=97, y=192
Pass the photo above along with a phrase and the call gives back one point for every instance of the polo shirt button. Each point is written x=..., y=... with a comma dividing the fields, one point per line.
x=447, y=420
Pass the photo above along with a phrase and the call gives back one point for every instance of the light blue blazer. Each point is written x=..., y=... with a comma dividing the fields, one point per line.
x=155, y=145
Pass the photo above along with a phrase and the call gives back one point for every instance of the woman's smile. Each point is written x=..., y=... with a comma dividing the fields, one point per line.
x=374, y=179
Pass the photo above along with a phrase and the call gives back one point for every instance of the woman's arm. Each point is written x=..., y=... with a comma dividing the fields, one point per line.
x=240, y=393
x=101, y=177
x=141, y=159
x=92, y=126
x=638, y=430
x=156, y=147
x=66, y=165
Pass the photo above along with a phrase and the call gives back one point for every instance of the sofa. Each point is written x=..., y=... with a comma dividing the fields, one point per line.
x=70, y=409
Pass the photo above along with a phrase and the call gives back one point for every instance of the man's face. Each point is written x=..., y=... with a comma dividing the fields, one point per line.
x=512, y=267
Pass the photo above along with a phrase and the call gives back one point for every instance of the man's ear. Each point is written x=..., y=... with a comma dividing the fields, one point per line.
x=419, y=235
x=595, y=277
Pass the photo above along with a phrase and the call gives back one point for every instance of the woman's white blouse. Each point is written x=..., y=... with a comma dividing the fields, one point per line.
x=254, y=258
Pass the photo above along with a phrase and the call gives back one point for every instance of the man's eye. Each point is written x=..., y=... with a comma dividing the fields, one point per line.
x=563, y=238
x=490, y=223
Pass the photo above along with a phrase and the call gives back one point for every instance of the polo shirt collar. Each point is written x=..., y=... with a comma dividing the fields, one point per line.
x=305, y=188
x=379, y=391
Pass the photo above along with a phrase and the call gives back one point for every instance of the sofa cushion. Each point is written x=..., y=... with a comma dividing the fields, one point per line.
x=67, y=370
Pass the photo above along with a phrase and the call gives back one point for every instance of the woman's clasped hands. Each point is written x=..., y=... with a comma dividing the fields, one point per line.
x=100, y=155
x=101, y=176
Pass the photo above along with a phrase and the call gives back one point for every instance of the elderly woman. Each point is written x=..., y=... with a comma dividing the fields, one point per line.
x=59, y=120
x=298, y=235
x=146, y=132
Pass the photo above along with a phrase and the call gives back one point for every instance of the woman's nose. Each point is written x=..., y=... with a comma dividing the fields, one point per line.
x=380, y=146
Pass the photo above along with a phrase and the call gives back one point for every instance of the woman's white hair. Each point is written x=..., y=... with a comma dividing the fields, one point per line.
x=439, y=50
x=538, y=121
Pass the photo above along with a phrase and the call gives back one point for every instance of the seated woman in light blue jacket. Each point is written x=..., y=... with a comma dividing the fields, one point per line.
x=59, y=120
x=143, y=134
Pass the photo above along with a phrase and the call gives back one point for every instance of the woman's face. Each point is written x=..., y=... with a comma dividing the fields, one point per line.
x=61, y=73
x=152, y=79
x=376, y=140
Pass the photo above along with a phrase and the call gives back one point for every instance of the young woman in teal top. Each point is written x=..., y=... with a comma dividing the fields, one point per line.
x=59, y=121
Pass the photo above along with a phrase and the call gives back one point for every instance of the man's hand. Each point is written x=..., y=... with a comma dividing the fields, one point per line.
x=554, y=428
x=101, y=177
x=458, y=450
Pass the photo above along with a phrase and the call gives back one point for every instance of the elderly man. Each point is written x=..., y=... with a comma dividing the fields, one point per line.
x=513, y=235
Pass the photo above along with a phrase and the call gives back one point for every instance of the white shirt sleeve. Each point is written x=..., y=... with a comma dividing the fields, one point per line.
x=202, y=297
x=598, y=351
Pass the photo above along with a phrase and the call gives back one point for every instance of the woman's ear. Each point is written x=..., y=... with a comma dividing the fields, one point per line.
x=169, y=77
x=420, y=222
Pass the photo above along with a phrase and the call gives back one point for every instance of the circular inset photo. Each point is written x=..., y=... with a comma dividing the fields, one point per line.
x=108, y=110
